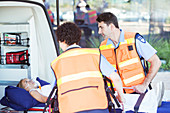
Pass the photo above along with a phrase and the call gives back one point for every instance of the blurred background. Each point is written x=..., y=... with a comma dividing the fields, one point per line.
x=150, y=18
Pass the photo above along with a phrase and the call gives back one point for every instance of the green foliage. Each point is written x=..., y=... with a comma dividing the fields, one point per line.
x=94, y=42
x=162, y=46
x=166, y=66
x=60, y=50
x=168, y=20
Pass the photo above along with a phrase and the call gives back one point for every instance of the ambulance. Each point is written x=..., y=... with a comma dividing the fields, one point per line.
x=27, y=42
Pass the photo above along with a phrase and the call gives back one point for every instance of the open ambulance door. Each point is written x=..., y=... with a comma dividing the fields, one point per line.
x=26, y=31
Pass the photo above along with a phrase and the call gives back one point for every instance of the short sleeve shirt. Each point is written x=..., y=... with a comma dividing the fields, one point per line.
x=144, y=49
x=105, y=67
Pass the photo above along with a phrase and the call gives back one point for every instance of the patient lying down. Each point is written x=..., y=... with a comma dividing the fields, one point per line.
x=40, y=93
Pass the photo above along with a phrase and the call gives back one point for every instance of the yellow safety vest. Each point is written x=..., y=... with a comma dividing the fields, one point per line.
x=92, y=16
x=50, y=15
x=79, y=80
x=126, y=60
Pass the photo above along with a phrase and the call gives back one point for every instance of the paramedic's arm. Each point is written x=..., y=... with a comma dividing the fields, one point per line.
x=39, y=97
x=108, y=70
x=118, y=85
x=155, y=65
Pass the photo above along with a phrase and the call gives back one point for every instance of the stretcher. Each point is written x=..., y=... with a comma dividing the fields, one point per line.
x=20, y=100
x=33, y=109
x=138, y=103
x=52, y=103
x=135, y=102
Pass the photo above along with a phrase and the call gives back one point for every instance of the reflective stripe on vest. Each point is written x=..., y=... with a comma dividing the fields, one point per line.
x=79, y=80
x=78, y=76
x=133, y=78
x=92, y=16
x=75, y=53
x=127, y=60
x=103, y=47
x=127, y=41
x=80, y=15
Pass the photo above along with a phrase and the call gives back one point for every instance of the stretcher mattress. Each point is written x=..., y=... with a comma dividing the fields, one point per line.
x=165, y=108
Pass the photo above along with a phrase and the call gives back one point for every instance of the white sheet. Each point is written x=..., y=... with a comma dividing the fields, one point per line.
x=148, y=105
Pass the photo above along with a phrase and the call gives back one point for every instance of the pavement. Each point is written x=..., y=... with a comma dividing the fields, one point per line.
x=165, y=78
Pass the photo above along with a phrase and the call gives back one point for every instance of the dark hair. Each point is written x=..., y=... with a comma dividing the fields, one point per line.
x=68, y=32
x=87, y=6
x=77, y=7
x=108, y=18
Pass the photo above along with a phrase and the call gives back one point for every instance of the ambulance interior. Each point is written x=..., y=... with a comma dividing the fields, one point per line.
x=26, y=22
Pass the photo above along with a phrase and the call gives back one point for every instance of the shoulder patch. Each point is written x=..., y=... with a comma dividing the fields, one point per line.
x=140, y=38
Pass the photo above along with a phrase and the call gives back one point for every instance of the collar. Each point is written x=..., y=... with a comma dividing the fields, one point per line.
x=72, y=46
x=121, y=39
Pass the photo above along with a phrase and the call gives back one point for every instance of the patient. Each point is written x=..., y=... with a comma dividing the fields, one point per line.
x=37, y=91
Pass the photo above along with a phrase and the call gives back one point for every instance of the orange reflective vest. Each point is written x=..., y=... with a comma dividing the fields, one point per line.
x=92, y=16
x=50, y=15
x=126, y=60
x=79, y=80
x=80, y=15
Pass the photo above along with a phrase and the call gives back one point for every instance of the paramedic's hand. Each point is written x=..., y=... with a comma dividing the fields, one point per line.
x=141, y=88
x=121, y=100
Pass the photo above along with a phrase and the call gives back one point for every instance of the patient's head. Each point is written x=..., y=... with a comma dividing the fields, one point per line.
x=27, y=84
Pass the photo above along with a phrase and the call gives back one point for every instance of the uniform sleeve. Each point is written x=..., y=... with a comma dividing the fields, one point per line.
x=144, y=49
x=53, y=83
x=106, y=68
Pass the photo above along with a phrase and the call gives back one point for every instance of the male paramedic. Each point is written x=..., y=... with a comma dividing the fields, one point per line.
x=124, y=51
x=78, y=72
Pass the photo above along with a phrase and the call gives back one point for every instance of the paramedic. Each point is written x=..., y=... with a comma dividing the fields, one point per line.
x=79, y=79
x=37, y=91
x=124, y=50
x=47, y=5
x=82, y=18
x=82, y=4
x=50, y=13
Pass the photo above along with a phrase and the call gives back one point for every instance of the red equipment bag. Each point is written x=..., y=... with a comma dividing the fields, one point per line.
x=19, y=57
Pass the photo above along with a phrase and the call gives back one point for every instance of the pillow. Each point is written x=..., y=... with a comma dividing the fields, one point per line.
x=4, y=101
x=18, y=99
x=42, y=82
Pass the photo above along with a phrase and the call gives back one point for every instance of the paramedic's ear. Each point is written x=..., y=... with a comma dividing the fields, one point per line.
x=63, y=45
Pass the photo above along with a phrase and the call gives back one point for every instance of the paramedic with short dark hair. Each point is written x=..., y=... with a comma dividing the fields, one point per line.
x=79, y=79
x=124, y=50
